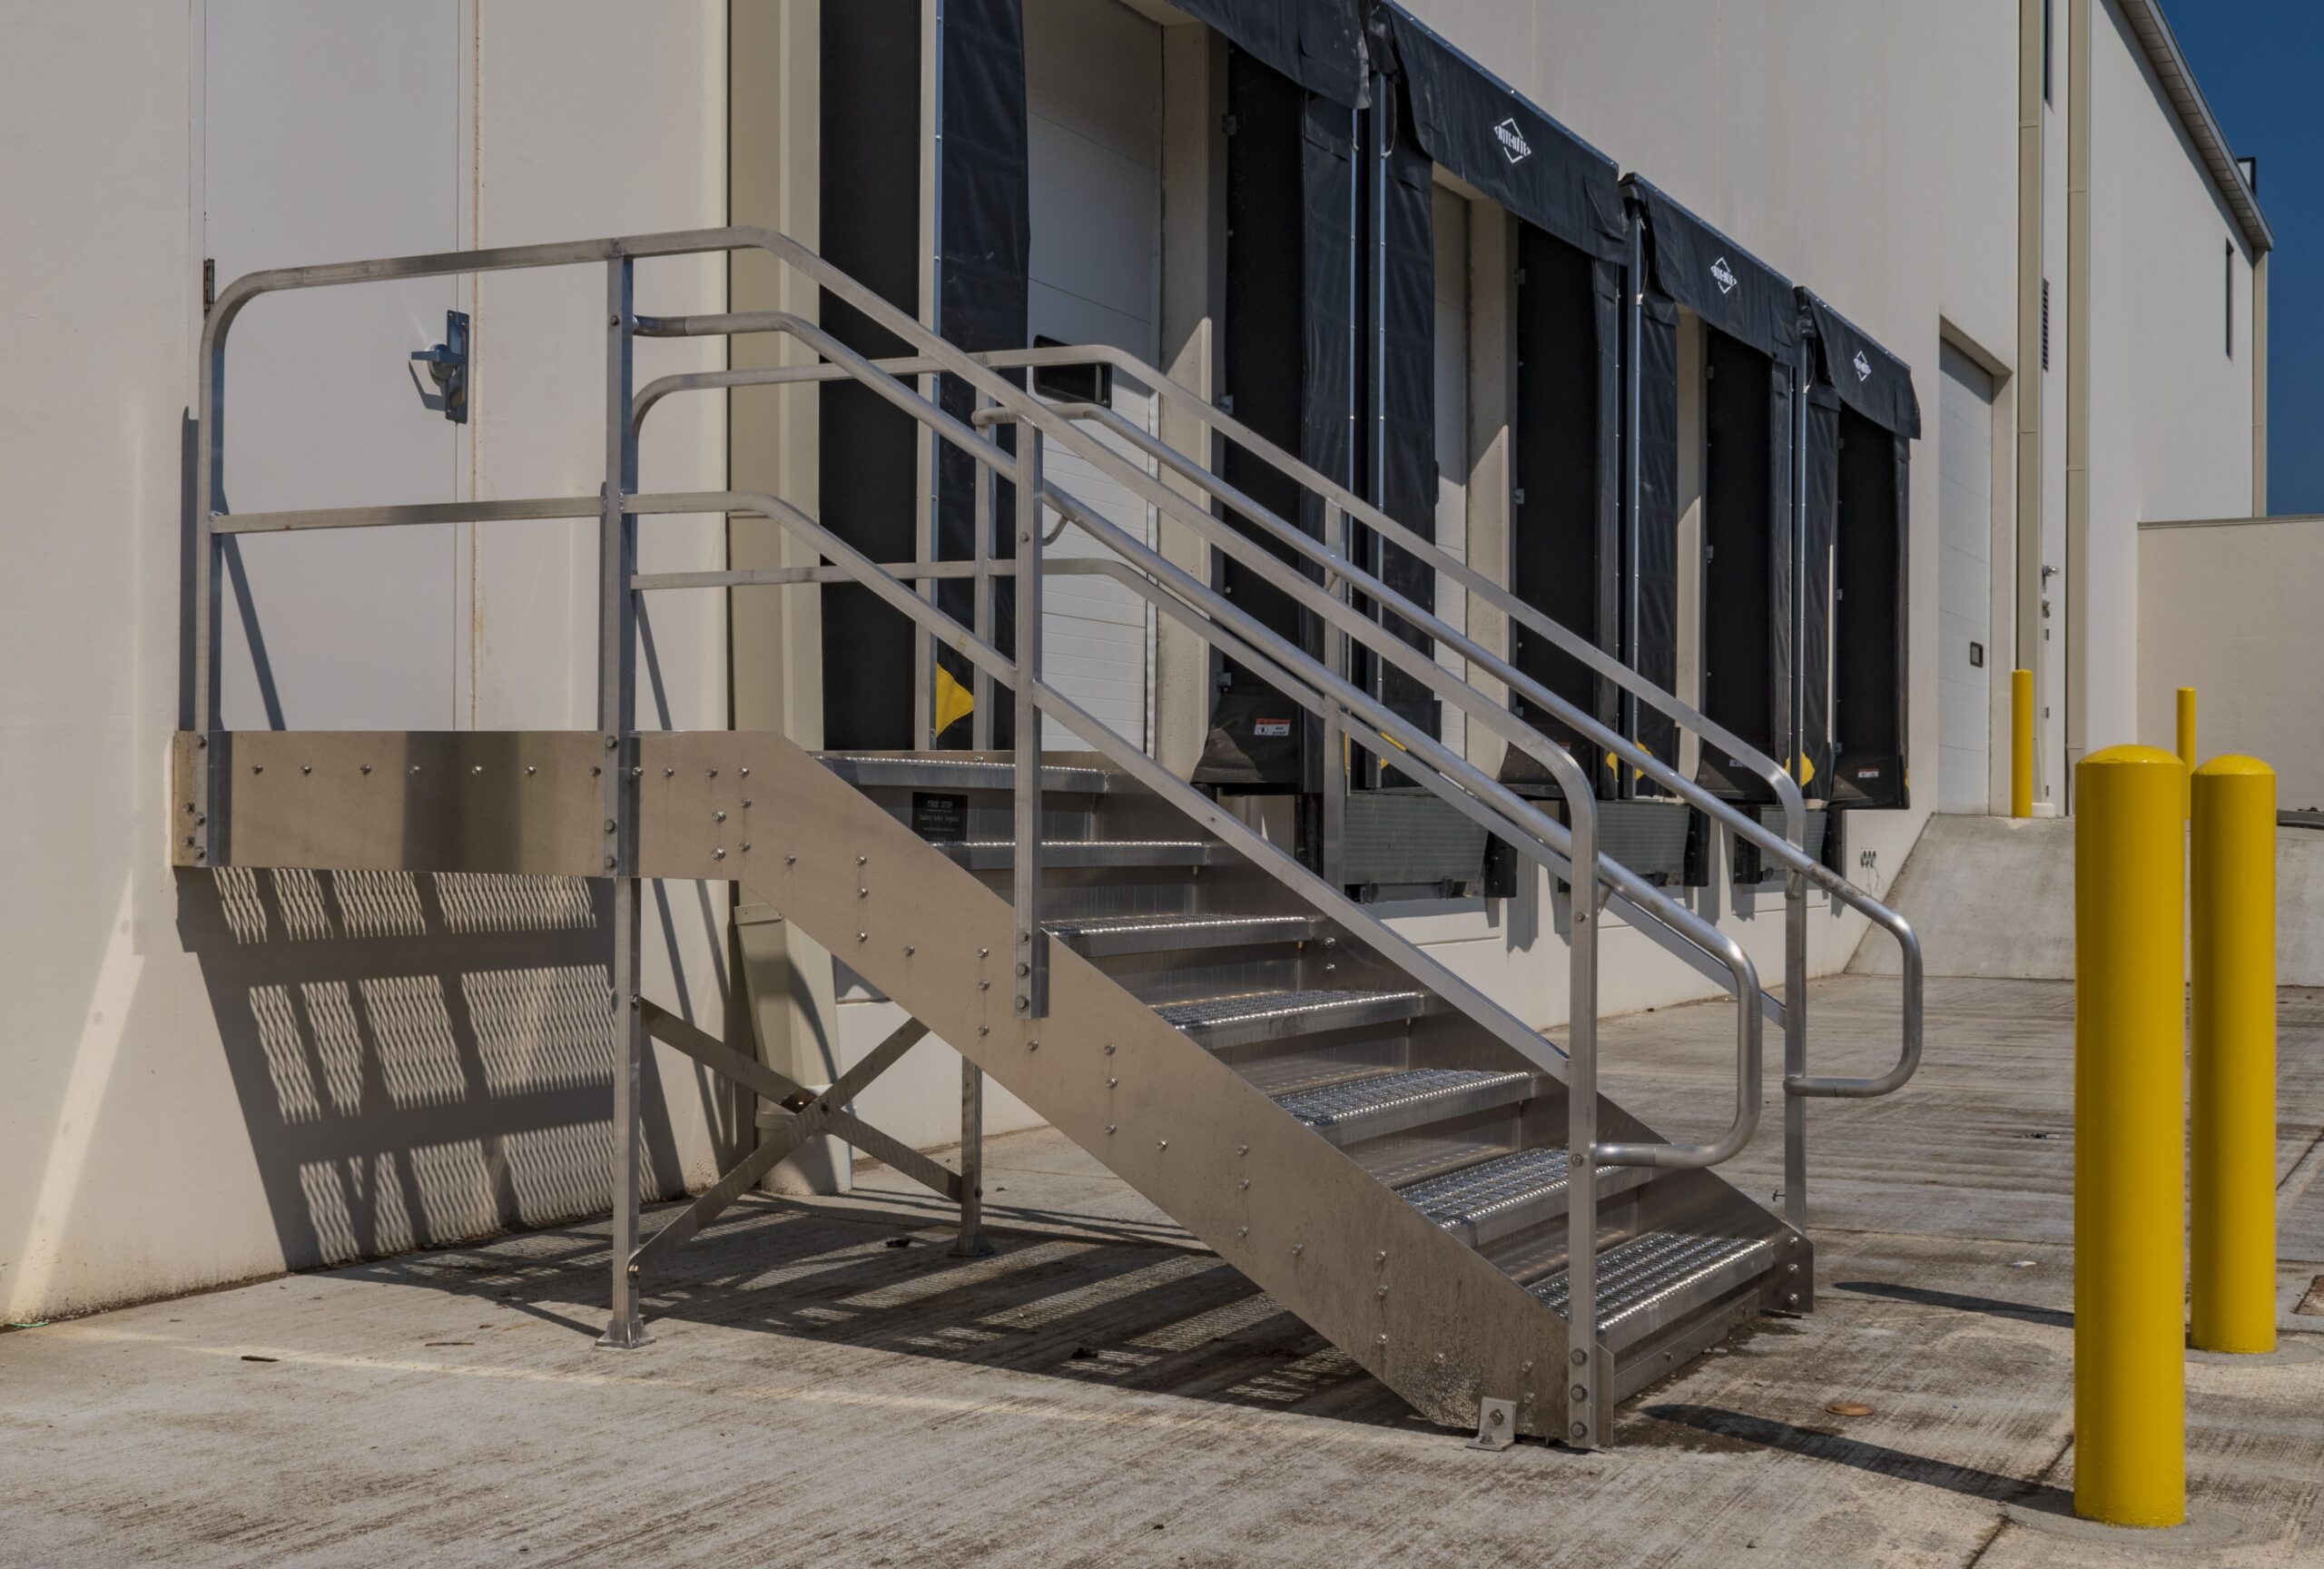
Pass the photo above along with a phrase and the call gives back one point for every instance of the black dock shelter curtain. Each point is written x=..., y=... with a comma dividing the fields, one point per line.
x=1397, y=439
x=872, y=135
x=1573, y=240
x=871, y=68
x=1295, y=77
x=1750, y=346
x=1863, y=416
x=1316, y=44
x=983, y=277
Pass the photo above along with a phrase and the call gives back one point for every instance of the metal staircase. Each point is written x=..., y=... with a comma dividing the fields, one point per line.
x=1375, y=1143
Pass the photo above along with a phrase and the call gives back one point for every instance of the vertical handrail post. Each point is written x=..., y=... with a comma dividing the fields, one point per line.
x=617, y=720
x=1587, y=1413
x=1032, y=967
x=1634, y=480
x=1794, y=829
x=1333, y=854
x=980, y=696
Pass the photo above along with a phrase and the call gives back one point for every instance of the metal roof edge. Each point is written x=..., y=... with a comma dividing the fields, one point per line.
x=2169, y=62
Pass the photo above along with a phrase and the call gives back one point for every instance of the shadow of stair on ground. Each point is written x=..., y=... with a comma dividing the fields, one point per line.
x=1140, y=1318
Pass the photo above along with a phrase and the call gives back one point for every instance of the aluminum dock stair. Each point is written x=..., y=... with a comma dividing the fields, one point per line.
x=1217, y=1045
x=1384, y=1149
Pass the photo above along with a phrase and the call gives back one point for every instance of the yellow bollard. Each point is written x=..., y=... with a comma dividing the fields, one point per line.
x=2130, y=1401
x=2020, y=743
x=2232, y=1219
x=2186, y=750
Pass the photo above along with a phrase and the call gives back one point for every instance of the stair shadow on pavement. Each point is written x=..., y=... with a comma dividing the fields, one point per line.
x=1132, y=1315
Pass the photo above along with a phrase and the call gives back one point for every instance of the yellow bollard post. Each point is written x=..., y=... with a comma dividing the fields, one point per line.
x=2129, y=1404
x=2020, y=743
x=2232, y=1218
x=2187, y=750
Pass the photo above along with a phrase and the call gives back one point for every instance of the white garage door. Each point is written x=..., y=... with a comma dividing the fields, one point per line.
x=1965, y=456
x=1094, y=90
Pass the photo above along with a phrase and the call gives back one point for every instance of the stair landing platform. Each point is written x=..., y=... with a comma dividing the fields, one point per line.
x=1104, y=1391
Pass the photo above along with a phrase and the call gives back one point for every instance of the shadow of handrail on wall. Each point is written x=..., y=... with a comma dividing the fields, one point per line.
x=423, y=1059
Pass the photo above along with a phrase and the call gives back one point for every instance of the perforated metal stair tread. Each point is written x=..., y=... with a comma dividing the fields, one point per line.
x=1068, y=854
x=1658, y=1276
x=1357, y=1109
x=1220, y=1022
x=904, y=770
x=1179, y=933
x=1507, y=1194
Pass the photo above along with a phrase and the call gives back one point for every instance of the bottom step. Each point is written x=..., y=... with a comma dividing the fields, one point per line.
x=1659, y=1276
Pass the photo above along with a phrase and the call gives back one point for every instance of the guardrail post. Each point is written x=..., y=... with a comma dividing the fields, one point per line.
x=2186, y=752
x=616, y=721
x=980, y=702
x=1336, y=763
x=2020, y=743
x=2232, y=1219
x=2130, y=1120
x=1033, y=960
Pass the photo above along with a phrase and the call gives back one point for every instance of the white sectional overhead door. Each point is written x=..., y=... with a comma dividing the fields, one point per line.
x=1964, y=457
x=1093, y=92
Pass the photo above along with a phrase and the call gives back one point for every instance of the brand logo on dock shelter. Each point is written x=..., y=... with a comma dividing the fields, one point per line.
x=1512, y=141
x=1863, y=367
x=1724, y=276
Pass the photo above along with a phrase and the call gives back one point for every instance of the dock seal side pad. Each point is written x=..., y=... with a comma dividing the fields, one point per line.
x=1289, y=366
x=983, y=273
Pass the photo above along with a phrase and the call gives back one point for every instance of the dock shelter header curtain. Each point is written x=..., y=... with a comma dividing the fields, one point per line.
x=1866, y=376
x=1487, y=132
x=1318, y=43
x=1718, y=279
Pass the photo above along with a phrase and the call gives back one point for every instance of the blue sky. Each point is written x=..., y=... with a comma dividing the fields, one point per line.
x=2259, y=63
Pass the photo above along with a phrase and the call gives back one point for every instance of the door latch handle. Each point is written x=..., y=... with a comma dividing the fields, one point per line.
x=447, y=365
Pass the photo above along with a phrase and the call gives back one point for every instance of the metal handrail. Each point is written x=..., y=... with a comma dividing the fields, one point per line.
x=943, y=356
x=1787, y=849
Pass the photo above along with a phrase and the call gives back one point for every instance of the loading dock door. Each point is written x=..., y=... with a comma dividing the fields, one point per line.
x=1094, y=110
x=1964, y=584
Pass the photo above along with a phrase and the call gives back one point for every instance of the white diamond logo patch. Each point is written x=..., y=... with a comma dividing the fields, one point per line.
x=1513, y=145
x=1724, y=276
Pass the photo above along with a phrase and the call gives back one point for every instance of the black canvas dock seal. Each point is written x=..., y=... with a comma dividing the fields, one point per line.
x=1863, y=417
x=1750, y=352
x=1481, y=129
x=1318, y=43
x=1711, y=275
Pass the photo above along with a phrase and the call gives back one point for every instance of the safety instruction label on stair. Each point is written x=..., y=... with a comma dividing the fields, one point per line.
x=1271, y=727
x=940, y=815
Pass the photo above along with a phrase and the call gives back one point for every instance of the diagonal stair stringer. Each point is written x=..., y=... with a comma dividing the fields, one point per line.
x=1431, y=1318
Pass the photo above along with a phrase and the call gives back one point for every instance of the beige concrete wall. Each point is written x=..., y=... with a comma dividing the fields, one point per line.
x=213, y=1078
x=2229, y=609
x=2170, y=406
x=1869, y=152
